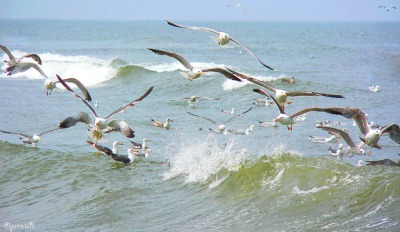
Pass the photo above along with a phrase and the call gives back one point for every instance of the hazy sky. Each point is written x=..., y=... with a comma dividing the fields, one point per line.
x=269, y=10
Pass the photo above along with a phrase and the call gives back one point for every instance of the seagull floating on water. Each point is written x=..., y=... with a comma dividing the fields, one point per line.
x=126, y=159
x=195, y=73
x=375, y=88
x=101, y=124
x=144, y=146
x=232, y=111
x=246, y=132
x=193, y=100
x=339, y=152
x=223, y=38
x=166, y=125
x=316, y=139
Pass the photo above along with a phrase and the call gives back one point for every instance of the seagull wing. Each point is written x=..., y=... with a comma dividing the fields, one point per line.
x=80, y=86
x=48, y=131
x=346, y=137
x=254, y=80
x=212, y=121
x=317, y=109
x=34, y=57
x=121, y=126
x=193, y=28
x=132, y=103
x=254, y=56
x=310, y=93
x=76, y=95
x=385, y=162
x=357, y=115
x=173, y=55
x=22, y=67
x=394, y=132
x=74, y=119
x=222, y=71
x=17, y=133
x=238, y=115
x=10, y=56
x=260, y=91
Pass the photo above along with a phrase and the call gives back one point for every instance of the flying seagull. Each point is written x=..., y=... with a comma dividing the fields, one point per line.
x=281, y=95
x=194, y=72
x=370, y=136
x=352, y=147
x=102, y=123
x=223, y=38
x=192, y=101
x=387, y=8
x=13, y=60
x=221, y=127
x=28, y=139
x=287, y=120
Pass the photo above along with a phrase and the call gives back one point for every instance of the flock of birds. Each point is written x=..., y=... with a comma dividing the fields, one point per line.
x=369, y=134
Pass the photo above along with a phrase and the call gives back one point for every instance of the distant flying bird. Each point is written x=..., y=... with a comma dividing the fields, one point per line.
x=387, y=8
x=193, y=100
x=13, y=60
x=223, y=38
x=238, y=6
x=28, y=139
x=221, y=127
x=101, y=124
x=194, y=73
x=281, y=95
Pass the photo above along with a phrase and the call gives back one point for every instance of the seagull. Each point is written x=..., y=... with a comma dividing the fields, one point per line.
x=316, y=139
x=352, y=147
x=387, y=8
x=101, y=124
x=142, y=145
x=23, y=67
x=126, y=159
x=287, y=120
x=239, y=6
x=221, y=127
x=13, y=61
x=194, y=73
x=288, y=80
x=281, y=95
x=115, y=146
x=223, y=38
x=146, y=154
x=370, y=136
x=232, y=111
x=360, y=163
x=339, y=152
x=27, y=139
x=246, y=132
x=192, y=101
x=166, y=125
x=384, y=162
x=375, y=88
x=49, y=84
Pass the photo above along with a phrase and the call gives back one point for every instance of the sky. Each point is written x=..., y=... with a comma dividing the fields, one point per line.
x=215, y=10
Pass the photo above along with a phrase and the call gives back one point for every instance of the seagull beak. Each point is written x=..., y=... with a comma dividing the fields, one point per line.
x=276, y=120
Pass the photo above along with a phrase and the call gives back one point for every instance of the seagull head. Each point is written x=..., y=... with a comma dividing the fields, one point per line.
x=147, y=153
x=100, y=123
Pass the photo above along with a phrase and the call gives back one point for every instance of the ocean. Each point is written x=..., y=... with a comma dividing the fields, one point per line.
x=271, y=180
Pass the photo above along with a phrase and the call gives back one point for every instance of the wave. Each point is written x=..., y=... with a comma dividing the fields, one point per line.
x=89, y=70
